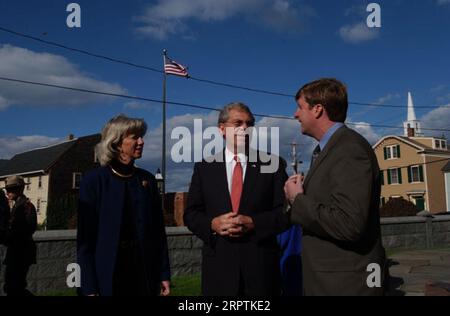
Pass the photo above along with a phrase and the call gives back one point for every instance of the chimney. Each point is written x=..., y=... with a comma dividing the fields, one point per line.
x=411, y=132
x=70, y=137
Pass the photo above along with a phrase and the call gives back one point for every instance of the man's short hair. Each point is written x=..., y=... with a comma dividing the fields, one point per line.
x=224, y=114
x=329, y=92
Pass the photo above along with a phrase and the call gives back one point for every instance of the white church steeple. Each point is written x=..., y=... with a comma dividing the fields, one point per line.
x=412, y=122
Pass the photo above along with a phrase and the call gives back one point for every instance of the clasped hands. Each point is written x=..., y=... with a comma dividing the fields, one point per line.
x=232, y=225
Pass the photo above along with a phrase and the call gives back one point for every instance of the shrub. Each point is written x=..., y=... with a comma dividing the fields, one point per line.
x=60, y=211
x=398, y=207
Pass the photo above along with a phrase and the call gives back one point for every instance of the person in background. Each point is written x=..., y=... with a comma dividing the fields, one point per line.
x=20, y=222
x=4, y=216
x=290, y=243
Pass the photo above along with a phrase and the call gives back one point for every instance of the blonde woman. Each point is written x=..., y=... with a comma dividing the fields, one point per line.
x=121, y=244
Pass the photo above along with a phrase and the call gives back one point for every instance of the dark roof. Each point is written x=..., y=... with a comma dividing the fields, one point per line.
x=446, y=167
x=35, y=160
x=3, y=162
x=415, y=142
x=427, y=149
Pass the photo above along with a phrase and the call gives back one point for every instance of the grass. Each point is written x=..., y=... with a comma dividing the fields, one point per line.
x=67, y=292
x=180, y=286
x=186, y=286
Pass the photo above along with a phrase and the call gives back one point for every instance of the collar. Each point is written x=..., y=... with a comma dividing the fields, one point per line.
x=229, y=156
x=323, y=142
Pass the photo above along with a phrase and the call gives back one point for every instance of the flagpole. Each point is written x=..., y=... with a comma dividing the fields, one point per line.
x=164, y=134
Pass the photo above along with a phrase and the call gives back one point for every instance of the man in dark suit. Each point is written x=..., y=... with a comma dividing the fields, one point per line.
x=21, y=248
x=236, y=208
x=337, y=204
x=4, y=216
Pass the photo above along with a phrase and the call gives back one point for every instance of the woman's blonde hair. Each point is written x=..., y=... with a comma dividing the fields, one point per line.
x=113, y=133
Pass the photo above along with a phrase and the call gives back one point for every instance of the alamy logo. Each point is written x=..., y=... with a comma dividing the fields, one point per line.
x=374, y=18
x=74, y=277
x=74, y=18
x=374, y=278
x=191, y=148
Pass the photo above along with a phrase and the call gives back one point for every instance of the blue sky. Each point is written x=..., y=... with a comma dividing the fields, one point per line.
x=276, y=45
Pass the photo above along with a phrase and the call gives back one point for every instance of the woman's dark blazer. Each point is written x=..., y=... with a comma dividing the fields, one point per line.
x=99, y=223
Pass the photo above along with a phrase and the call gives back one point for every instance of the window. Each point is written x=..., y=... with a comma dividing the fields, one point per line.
x=415, y=174
x=443, y=144
x=382, y=201
x=40, y=182
x=28, y=185
x=76, y=180
x=437, y=144
x=381, y=177
x=394, y=176
x=392, y=152
x=38, y=206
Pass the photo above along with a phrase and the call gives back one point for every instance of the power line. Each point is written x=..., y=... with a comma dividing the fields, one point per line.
x=393, y=105
x=81, y=51
x=212, y=82
x=242, y=88
x=182, y=104
x=119, y=61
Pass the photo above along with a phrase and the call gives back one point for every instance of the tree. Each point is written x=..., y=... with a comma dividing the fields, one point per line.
x=62, y=210
x=398, y=207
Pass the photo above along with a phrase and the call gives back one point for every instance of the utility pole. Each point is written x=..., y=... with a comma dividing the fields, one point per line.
x=294, y=155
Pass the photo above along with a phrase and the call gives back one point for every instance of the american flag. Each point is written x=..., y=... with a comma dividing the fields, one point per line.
x=173, y=68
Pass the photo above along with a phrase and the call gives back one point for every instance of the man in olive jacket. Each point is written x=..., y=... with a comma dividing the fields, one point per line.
x=337, y=204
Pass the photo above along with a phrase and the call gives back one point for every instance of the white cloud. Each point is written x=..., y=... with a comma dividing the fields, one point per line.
x=179, y=179
x=443, y=98
x=170, y=17
x=381, y=100
x=153, y=138
x=387, y=98
x=438, y=88
x=443, y=2
x=290, y=131
x=440, y=93
x=358, y=33
x=136, y=105
x=10, y=146
x=366, y=131
x=24, y=64
x=359, y=10
x=437, y=119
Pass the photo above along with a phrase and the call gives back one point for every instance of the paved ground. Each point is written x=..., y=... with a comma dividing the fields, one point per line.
x=420, y=273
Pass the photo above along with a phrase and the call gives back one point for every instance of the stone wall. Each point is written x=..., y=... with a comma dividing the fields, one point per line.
x=56, y=249
x=416, y=232
x=184, y=251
